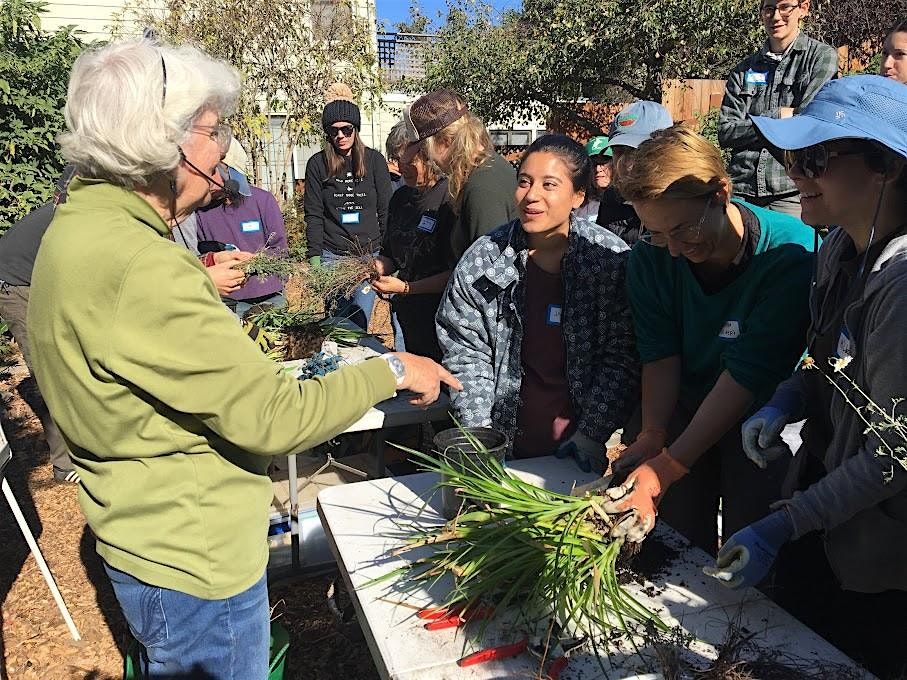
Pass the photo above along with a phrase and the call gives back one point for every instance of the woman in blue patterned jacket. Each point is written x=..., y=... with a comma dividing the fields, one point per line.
x=535, y=322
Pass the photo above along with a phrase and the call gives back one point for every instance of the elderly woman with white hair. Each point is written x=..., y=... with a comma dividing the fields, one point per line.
x=172, y=439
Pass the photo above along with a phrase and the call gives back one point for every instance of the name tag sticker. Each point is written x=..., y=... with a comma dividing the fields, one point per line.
x=758, y=78
x=554, y=315
x=249, y=226
x=427, y=224
x=845, y=346
x=730, y=330
x=349, y=218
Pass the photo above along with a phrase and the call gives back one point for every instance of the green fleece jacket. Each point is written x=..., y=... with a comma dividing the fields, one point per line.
x=171, y=412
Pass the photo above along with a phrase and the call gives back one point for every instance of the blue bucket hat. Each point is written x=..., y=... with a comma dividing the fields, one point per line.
x=855, y=107
x=636, y=123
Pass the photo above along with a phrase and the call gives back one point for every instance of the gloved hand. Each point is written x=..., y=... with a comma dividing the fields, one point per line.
x=648, y=444
x=589, y=454
x=761, y=434
x=746, y=558
x=315, y=261
x=641, y=493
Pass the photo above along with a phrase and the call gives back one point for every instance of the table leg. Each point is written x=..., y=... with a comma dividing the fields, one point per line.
x=293, y=480
x=378, y=451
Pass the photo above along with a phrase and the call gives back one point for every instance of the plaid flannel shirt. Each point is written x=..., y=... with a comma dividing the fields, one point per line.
x=761, y=86
x=480, y=329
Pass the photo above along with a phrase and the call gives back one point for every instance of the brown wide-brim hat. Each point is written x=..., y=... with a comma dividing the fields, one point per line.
x=433, y=112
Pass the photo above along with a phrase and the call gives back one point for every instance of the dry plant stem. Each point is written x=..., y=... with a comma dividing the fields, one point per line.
x=889, y=421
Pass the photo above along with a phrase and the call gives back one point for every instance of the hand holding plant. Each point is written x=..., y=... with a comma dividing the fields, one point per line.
x=643, y=490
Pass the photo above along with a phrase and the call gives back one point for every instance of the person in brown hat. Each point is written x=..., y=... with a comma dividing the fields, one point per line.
x=349, y=188
x=480, y=181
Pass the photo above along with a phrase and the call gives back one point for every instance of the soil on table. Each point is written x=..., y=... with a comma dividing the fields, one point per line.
x=35, y=643
x=301, y=342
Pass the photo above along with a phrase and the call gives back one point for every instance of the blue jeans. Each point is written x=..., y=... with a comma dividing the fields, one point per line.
x=187, y=637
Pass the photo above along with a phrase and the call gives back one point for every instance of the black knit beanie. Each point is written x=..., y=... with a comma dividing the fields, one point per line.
x=340, y=111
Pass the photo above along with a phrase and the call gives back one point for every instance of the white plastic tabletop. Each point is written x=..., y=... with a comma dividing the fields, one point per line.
x=359, y=517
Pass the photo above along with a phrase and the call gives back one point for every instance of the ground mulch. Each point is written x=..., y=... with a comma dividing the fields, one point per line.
x=35, y=643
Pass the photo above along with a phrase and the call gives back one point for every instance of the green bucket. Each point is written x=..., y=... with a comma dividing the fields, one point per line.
x=280, y=643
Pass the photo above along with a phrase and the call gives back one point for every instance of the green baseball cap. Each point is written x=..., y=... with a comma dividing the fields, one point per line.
x=598, y=146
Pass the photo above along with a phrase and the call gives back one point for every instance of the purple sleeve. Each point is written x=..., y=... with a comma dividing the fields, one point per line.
x=275, y=229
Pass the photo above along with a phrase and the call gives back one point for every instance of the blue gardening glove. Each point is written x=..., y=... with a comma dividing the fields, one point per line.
x=589, y=454
x=761, y=433
x=746, y=558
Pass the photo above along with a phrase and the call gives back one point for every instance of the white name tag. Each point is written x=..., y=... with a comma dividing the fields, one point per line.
x=730, y=330
x=845, y=346
x=554, y=315
x=427, y=224
x=756, y=77
x=349, y=218
x=251, y=225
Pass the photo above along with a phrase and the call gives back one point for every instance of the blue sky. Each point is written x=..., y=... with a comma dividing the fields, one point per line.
x=392, y=11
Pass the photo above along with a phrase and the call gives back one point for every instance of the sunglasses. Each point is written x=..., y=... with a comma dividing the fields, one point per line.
x=685, y=235
x=812, y=162
x=345, y=130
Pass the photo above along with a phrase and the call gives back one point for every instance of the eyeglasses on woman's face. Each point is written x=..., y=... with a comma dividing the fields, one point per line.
x=344, y=130
x=687, y=235
x=813, y=161
x=220, y=133
x=784, y=9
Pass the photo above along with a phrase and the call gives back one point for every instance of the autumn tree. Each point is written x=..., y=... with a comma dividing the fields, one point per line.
x=288, y=54
x=855, y=24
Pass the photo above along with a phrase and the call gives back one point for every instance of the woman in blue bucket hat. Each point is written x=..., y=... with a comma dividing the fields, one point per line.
x=847, y=153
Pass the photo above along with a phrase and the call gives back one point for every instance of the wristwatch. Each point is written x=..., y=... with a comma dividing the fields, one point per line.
x=397, y=366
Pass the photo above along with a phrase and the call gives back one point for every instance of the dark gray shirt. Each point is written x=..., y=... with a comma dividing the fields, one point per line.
x=19, y=246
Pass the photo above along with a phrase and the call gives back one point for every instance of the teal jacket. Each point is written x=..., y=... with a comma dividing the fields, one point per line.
x=754, y=328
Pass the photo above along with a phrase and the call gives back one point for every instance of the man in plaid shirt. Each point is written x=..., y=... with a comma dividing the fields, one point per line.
x=776, y=81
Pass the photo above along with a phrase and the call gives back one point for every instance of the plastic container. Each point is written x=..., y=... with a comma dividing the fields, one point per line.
x=280, y=644
x=455, y=446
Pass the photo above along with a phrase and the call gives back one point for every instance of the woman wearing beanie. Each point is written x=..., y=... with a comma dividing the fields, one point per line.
x=348, y=188
x=480, y=181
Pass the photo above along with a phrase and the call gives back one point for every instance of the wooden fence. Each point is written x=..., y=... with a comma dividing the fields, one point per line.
x=685, y=99
x=689, y=99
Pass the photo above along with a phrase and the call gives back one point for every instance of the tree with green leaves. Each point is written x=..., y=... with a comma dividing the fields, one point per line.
x=288, y=54
x=555, y=53
x=34, y=72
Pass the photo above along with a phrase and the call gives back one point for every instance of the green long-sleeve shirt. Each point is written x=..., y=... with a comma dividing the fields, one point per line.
x=755, y=327
x=170, y=410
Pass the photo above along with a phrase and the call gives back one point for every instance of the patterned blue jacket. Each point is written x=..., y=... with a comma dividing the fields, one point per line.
x=480, y=329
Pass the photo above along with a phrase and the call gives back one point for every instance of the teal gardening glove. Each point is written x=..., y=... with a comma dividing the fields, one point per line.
x=746, y=558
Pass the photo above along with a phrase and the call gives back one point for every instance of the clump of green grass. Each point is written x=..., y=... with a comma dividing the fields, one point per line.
x=264, y=264
x=547, y=554
x=300, y=333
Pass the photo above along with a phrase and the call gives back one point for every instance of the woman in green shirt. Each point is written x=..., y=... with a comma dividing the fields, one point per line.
x=718, y=290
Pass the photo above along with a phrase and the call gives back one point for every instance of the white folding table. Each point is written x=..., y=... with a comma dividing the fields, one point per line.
x=391, y=413
x=359, y=517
